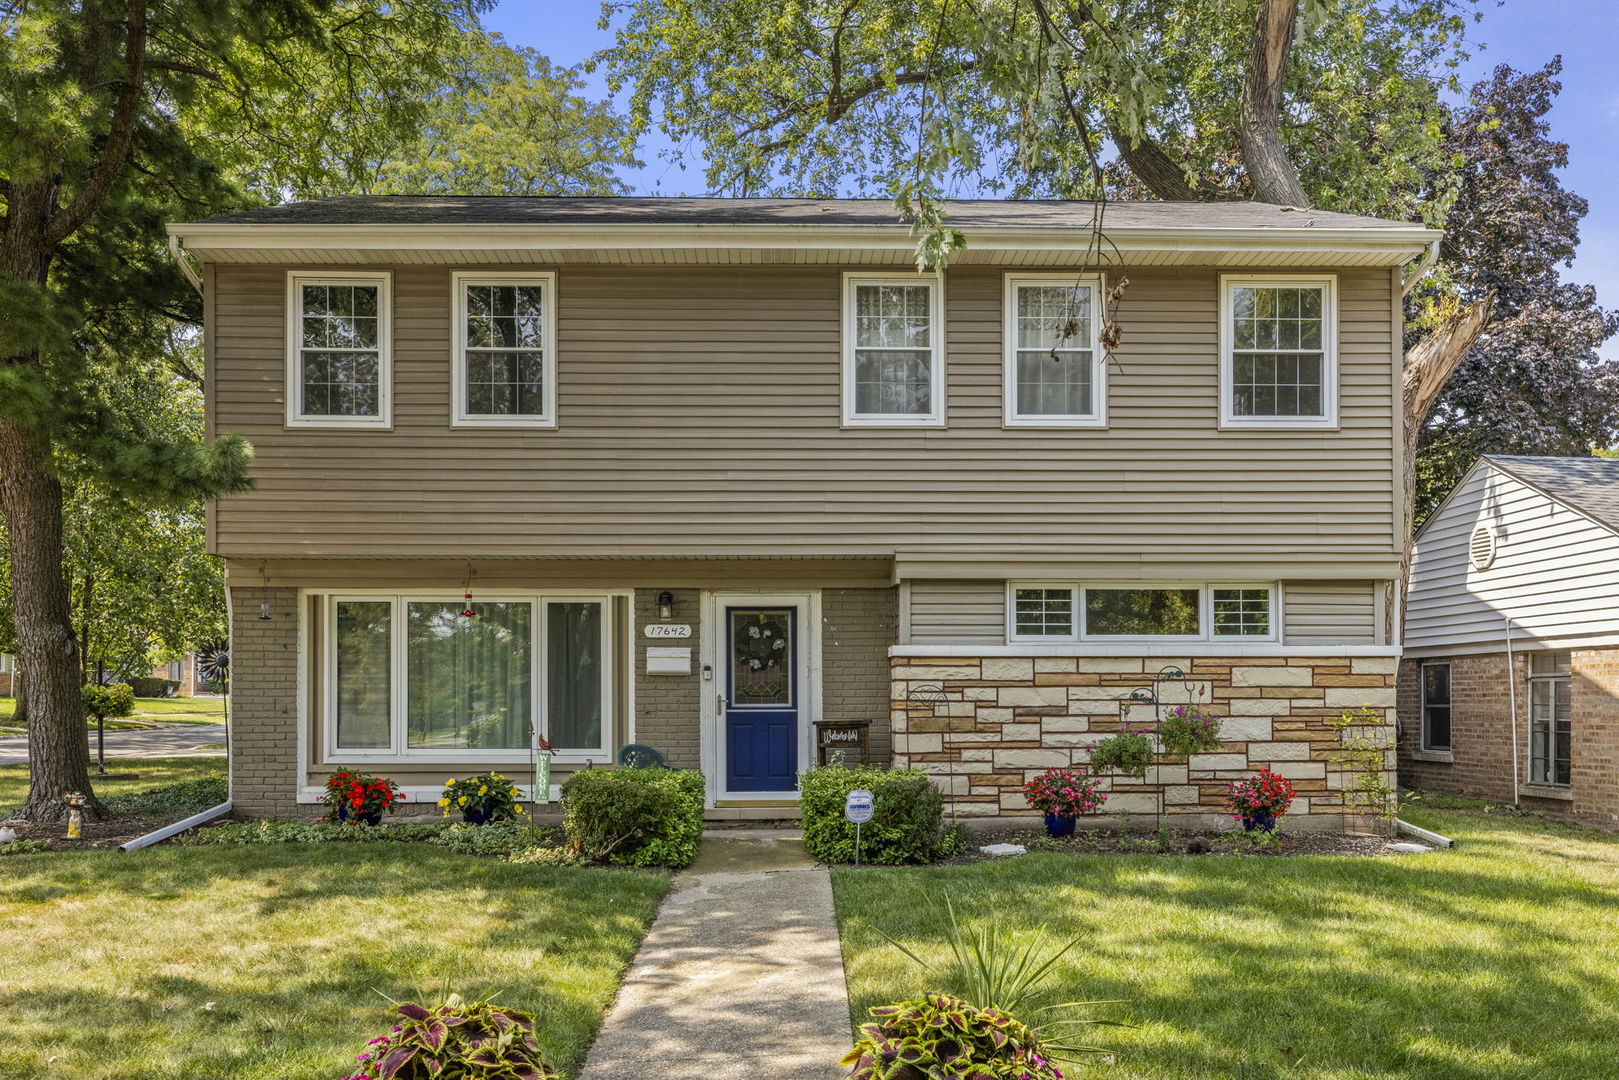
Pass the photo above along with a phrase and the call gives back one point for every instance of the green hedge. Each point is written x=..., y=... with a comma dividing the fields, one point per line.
x=907, y=823
x=149, y=687
x=634, y=817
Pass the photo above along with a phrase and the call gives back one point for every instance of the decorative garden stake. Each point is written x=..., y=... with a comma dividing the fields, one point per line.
x=75, y=815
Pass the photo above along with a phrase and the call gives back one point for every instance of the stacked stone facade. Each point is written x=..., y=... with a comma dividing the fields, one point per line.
x=984, y=726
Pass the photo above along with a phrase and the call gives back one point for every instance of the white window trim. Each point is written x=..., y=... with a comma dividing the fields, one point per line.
x=1205, y=632
x=397, y=751
x=1097, y=417
x=547, y=280
x=1328, y=283
x=1424, y=743
x=931, y=282
x=383, y=279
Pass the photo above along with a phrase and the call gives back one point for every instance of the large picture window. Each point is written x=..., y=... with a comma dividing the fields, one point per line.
x=505, y=350
x=338, y=355
x=414, y=677
x=1149, y=611
x=1054, y=374
x=1551, y=718
x=1436, y=706
x=1278, y=351
x=893, y=353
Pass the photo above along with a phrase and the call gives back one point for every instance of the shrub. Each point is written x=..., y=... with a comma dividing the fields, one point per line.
x=1068, y=792
x=149, y=687
x=457, y=1040
x=106, y=700
x=1185, y=730
x=907, y=823
x=1128, y=753
x=634, y=817
x=941, y=1036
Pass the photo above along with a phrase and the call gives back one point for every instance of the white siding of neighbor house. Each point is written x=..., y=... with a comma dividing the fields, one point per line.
x=1555, y=574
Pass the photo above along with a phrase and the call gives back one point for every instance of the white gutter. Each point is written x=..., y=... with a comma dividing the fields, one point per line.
x=182, y=262
x=1409, y=282
x=1512, y=696
x=157, y=836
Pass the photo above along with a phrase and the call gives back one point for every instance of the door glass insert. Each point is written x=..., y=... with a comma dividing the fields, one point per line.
x=761, y=657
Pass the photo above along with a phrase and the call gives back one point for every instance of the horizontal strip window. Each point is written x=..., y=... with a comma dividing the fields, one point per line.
x=447, y=679
x=1148, y=611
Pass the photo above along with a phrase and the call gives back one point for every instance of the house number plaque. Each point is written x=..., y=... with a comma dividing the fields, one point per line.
x=666, y=630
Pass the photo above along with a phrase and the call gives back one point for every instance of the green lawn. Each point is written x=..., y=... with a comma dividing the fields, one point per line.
x=266, y=962
x=154, y=773
x=173, y=710
x=1499, y=959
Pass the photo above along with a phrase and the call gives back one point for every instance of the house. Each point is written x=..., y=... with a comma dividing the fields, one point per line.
x=1509, y=689
x=8, y=675
x=710, y=475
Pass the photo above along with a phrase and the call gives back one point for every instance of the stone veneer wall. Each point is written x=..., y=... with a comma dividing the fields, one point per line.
x=984, y=726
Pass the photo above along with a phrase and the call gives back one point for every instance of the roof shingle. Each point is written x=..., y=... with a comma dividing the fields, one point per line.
x=1590, y=485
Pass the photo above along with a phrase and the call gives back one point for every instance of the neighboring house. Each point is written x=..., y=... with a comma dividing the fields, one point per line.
x=715, y=471
x=8, y=675
x=1510, y=686
x=182, y=672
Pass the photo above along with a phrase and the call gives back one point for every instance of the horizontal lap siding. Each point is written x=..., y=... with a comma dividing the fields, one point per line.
x=1330, y=613
x=699, y=414
x=1555, y=574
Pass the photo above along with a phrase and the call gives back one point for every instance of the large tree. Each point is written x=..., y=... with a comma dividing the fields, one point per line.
x=119, y=115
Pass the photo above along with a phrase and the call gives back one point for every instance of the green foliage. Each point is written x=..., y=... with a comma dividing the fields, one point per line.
x=479, y=794
x=1365, y=740
x=24, y=847
x=107, y=701
x=1185, y=730
x=1128, y=753
x=509, y=840
x=944, y=1037
x=173, y=801
x=907, y=823
x=354, y=796
x=456, y=1040
x=634, y=817
x=147, y=686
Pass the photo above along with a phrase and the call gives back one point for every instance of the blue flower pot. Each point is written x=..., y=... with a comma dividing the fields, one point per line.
x=344, y=811
x=478, y=817
x=1060, y=824
x=1259, y=822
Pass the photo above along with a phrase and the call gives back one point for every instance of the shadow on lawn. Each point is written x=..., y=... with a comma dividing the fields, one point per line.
x=1465, y=966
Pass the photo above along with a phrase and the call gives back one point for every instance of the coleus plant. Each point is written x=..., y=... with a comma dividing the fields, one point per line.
x=456, y=1040
x=944, y=1038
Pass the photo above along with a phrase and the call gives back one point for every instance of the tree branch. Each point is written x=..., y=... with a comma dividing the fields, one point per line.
x=1163, y=177
x=1433, y=360
x=1266, y=160
x=840, y=101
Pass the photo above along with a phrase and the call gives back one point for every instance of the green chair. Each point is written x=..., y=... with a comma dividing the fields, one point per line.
x=636, y=756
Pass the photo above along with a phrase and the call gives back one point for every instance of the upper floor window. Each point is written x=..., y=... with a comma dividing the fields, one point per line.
x=1436, y=705
x=1106, y=611
x=338, y=363
x=893, y=351
x=504, y=350
x=1054, y=373
x=1278, y=351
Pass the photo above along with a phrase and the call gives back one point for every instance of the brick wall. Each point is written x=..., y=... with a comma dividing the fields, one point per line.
x=264, y=717
x=1594, y=754
x=667, y=707
x=857, y=627
x=984, y=726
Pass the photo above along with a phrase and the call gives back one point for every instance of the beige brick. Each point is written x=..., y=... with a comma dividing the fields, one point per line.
x=1020, y=732
x=1181, y=794
x=1245, y=728
x=1260, y=707
x=1033, y=695
x=1054, y=665
x=1108, y=663
x=1353, y=697
x=1134, y=802
x=1065, y=723
x=1300, y=770
x=1278, y=751
x=924, y=744
x=1271, y=676
x=1031, y=759
x=1207, y=762
x=933, y=673
x=1006, y=669
x=1374, y=665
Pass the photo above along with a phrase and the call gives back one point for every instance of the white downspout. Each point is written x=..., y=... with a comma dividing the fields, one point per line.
x=184, y=264
x=1420, y=271
x=1512, y=696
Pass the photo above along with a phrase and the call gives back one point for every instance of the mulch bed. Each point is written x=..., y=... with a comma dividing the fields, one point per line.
x=96, y=834
x=1105, y=841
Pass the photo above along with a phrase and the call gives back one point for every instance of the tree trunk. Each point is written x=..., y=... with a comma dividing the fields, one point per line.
x=58, y=754
x=1263, y=156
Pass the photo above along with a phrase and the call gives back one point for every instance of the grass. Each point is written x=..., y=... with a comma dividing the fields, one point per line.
x=253, y=963
x=154, y=773
x=1494, y=961
x=173, y=710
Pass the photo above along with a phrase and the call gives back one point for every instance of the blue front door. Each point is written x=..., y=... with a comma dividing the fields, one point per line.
x=761, y=699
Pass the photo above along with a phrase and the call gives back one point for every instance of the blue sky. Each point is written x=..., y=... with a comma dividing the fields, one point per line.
x=1523, y=33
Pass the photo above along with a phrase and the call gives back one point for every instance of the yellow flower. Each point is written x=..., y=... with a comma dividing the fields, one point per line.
x=444, y=802
x=484, y=790
x=462, y=801
x=449, y=783
x=512, y=792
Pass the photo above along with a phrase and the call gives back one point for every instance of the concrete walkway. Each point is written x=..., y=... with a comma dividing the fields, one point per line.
x=179, y=740
x=741, y=975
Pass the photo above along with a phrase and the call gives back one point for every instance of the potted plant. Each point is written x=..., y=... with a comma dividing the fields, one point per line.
x=482, y=798
x=1259, y=800
x=1185, y=730
x=358, y=799
x=1128, y=753
x=1064, y=794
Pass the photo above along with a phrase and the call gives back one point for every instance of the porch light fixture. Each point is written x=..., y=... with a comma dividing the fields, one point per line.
x=264, y=605
x=666, y=605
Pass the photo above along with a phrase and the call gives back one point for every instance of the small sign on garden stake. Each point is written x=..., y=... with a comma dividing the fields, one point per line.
x=857, y=807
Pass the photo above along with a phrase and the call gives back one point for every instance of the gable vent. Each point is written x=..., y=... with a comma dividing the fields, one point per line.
x=1481, y=548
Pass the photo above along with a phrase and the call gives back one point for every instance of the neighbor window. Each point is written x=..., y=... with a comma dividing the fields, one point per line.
x=338, y=350
x=893, y=361
x=1278, y=363
x=415, y=677
x=1550, y=717
x=504, y=350
x=1436, y=706
x=1053, y=369
x=1106, y=611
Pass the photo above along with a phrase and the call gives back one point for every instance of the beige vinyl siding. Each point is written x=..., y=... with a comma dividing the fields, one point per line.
x=698, y=415
x=1555, y=574
x=958, y=612
x=1330, y=612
